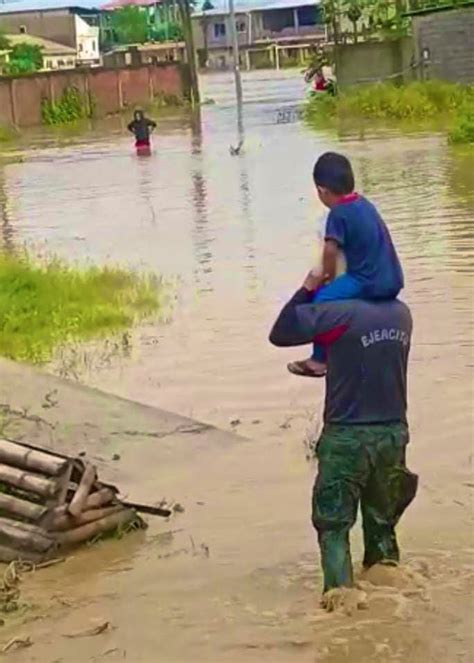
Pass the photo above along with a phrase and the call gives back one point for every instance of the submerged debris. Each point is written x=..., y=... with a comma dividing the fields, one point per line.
x=50, y=502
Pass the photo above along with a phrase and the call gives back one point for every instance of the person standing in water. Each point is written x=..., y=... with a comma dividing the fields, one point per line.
x=361, y=451
x=141, y=127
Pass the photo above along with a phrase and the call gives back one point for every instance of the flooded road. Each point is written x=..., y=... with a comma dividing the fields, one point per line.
x=237, y=234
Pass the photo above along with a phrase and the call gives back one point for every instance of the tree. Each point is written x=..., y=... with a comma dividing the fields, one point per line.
x=353, y=12
x=332, y=12
x=24, y=58
x=130, y=25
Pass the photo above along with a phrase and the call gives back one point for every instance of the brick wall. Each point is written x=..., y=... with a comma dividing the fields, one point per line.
x=112, y=90
x=447, y=37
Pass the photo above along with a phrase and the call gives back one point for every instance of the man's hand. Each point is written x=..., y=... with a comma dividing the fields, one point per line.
x=314, y=280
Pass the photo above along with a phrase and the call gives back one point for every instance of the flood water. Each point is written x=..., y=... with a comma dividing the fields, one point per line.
x=236, y=234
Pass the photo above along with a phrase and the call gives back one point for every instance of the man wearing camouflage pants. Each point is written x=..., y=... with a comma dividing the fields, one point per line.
x=361, y=451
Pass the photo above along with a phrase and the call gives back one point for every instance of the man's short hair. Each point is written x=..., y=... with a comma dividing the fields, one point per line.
x=334, y=172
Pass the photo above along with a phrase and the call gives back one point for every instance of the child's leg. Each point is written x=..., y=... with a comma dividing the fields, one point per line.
x=343, y=287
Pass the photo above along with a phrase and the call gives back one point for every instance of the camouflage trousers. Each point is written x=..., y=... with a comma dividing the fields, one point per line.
x=360, y=464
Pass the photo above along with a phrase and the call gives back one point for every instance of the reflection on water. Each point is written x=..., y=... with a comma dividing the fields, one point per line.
x=240, y=232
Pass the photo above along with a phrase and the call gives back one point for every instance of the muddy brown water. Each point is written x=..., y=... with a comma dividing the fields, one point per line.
x=239, y=580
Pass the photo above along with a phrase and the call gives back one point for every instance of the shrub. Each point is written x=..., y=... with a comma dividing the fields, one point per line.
x=417, y=100
x=71, y=107
x=462, y=130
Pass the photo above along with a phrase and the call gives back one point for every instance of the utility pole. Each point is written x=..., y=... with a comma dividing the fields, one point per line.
x=185, y=12
x=235, y=51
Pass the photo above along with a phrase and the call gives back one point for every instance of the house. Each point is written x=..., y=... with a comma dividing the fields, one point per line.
x=274, y=33
x=55, y=56
x=74, y=25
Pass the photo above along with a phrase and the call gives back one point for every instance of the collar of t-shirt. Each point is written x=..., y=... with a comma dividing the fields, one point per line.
x=348, y=198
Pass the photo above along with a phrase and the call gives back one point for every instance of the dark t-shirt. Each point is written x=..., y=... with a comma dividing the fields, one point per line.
x=367, y=357
x=142, y=129
x=360, y=231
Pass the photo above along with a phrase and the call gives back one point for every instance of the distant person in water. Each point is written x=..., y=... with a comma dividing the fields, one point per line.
x=141, y=127
x=355, y=228
x=320, y=83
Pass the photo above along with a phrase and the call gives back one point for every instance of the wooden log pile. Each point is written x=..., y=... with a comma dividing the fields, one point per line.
x=50, y=502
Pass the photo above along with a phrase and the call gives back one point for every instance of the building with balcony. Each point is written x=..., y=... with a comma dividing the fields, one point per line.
x=273, y=34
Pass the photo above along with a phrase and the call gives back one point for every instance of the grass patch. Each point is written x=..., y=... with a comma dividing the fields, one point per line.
x=420, y=102
x=43, y=306
x=6, y=135
x=462, y=131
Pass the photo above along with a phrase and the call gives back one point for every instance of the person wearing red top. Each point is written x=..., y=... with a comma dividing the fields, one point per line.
x=320, y=83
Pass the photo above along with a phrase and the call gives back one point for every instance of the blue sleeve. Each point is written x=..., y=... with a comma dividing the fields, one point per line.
x=336, y=227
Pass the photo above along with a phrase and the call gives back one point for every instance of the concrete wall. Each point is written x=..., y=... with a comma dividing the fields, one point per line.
x=369, y=62
x=112, y=90
x=57, y=25
x=445, y=44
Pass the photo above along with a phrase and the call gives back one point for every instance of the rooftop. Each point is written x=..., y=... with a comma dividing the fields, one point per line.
x=48, y=47
x=15, y=6
x=247, y=6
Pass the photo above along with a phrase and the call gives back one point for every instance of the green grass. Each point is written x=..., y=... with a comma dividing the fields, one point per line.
x=6, y=135
x=423, y=103
x=44, y=306
x=462, y=130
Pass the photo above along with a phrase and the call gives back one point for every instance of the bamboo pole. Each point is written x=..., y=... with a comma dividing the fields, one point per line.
x=63, y=483
x=102, y=497
x=86, y=532
x=25, y=537
x=21, y=508
x=68, y=522
x=88, y=478
x=8, y=555
x=26, y=458
x=34, y=483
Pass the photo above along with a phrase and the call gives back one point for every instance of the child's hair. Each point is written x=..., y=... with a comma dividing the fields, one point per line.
x=334, y=172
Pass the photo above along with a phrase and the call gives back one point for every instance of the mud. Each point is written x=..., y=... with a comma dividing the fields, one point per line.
x=235, y=578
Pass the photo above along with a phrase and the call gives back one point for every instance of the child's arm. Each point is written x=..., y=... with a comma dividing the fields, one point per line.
x=330, y=253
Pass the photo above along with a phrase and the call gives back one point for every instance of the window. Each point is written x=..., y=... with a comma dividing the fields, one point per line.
x=81, y=47
x=49, y=64
x=219, y=30
x=308, y=16
x=276, y=20
x=240, y=26
x=93, y=45
x=70, y=63
x=60, y=63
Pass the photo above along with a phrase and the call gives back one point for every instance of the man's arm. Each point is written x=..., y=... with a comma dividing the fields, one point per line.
x=301, y=321
x=287, y=329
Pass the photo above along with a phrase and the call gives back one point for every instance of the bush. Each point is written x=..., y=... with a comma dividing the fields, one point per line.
x=44, y=306
x=462, y=130
x=417, y=100
x=71, y=107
